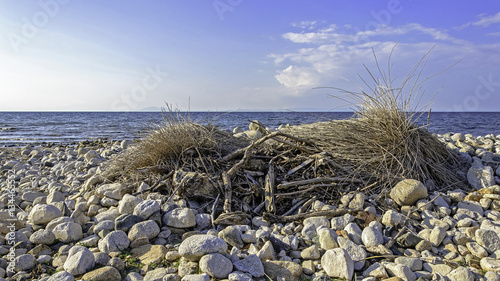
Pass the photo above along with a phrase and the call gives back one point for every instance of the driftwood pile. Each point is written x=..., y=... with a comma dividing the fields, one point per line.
x=279, y=175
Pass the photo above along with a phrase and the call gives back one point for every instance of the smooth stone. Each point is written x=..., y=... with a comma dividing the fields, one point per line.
x=110, y=214
x=356, y=252
x=42, y=214
x=442, y=269
x=196, y=277
x=24, y=262
x=400, y=270
x=203, y=221
x=232, y=236
x=115, y=241
x=239, y=276
x=126, y=221
x=408, y=240
x=251, y=264
x=318, y=221
x=490, y=264
x=282, y=270
x=43, y=236
x=194, y=247
x=106, y=225
x=216, y=265
x=311, y=253
x=372, y=235
x=488, y=239
x=391, y=218
x=112, y=190
x=480, y=176
x=339, y=223
x=61, y=276
x=437, y=235
x=376, y=270
x=180, y=218
x=408, y=191
x=107, y=273
x=128, y=203
x=415, y=264
x=150, y=254
x=146, y=229
x=309, y=231
x=146, y=208
x=80, y=260
x=267, y=252
x=461, y=274
x=31, y=196
x=354, y=233
x=327, y=238
x=68, y=232
x=156, y=274
x=338, y=263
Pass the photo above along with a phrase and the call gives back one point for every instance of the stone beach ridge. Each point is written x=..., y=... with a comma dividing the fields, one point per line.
x=60, y=222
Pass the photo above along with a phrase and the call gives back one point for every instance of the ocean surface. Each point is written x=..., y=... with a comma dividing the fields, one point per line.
x=21, y=128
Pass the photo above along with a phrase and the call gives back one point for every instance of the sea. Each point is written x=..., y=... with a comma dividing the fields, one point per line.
x=68, y=128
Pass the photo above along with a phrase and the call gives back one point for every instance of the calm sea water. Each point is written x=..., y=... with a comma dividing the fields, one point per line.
x=20, y=128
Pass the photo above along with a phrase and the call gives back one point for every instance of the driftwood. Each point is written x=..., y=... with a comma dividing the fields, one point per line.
x=270, y=190
x=271, y=218
x=287, y=185
x=228, y=192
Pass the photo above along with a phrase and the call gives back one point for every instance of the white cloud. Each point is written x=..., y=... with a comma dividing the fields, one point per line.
x=298, y=77
x=485, y=20
x=494, y=34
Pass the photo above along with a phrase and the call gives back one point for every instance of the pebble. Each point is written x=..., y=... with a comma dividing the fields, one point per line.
x=68, y=232
x=42, y=214
x=146, y=208
x=408, y=191
x=107, y=273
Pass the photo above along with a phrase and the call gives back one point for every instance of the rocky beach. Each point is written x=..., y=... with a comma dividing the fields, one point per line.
x=60, y=220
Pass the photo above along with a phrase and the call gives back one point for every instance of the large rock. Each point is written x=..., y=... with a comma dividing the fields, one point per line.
x=232, y=236
x=80, y=260
x=68, y=232
x=194, y=247
x=282, y=270
x=337, y=263
x=407, y=192
x=400, y=270
x=372, y=235
x=251, y=264
x=180, y=218
x=490, y=264
x=480, y=176
x=461, y=274
x=146, y=229
x=155, y=275
x=112, y=190
x=216, y=265
x=42, y=214
x=115, y=241
x=107, y=273
x=327, y=238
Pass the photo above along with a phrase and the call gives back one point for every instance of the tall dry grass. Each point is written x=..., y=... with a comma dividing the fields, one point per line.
x=383, y=141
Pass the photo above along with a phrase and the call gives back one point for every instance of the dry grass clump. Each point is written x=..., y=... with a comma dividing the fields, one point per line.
x=172, y=145
x=383, y=143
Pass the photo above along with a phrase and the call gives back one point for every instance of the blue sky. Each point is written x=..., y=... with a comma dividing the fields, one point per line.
x=223, y=55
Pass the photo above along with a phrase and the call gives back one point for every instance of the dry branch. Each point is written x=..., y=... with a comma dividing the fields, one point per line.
x=271, y=218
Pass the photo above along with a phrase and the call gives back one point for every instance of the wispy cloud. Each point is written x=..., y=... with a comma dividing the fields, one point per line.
x=305, y=24
x=484, y=20
x=324, y=55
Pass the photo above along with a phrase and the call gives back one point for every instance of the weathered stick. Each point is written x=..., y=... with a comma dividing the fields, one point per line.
x=286, y=185
x=306, y=205
x=294, y=207
x=228, y=192
x=271, y=218
x=270, y=190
